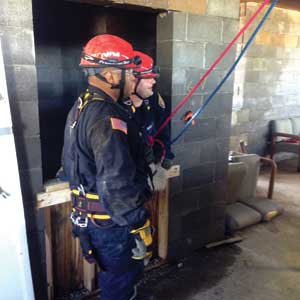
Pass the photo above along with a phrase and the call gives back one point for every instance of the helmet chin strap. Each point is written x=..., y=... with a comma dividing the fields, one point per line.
x=135, y=89
x=120, y=85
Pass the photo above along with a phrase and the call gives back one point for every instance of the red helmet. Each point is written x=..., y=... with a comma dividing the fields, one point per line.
x=108, y=50
x=146, y=68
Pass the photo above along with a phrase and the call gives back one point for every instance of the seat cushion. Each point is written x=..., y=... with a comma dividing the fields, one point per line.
x=239, y=216
x=248, y=186
x=269, y=209
x=236, y=174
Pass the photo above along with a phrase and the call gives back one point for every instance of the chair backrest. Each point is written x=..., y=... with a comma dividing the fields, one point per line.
x=248, y=185
x=296, y=125
x=282, y=125
x=236, y=174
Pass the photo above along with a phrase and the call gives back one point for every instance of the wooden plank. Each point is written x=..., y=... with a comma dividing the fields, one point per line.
x=53, y=198
x=67, y=259
x=231, y=240
x=163, y=222
x=55, y=185
x=48, y=244
x=163, y=213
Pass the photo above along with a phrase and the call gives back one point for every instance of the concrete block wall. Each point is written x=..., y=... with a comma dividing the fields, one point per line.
x=16, y=32
x=187, y=46
x=267, y=81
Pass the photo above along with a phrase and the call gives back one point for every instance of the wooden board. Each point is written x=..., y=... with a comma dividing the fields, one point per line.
x=48, y=246
x=53, y=198
x=67, y=258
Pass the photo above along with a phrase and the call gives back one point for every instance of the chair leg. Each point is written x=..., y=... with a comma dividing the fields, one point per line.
x=298, y=164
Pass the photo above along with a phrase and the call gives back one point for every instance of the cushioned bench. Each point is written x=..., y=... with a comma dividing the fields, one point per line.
x=244, y=208
x=286, y=137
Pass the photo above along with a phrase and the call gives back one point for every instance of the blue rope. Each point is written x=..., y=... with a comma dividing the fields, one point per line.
x=187, y=125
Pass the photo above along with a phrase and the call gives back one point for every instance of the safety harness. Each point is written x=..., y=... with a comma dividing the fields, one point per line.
x=85, y=205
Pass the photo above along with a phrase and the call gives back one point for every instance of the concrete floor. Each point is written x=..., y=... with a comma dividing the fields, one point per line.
x=264, y=266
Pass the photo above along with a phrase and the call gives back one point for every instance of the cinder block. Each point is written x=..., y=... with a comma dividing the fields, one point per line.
x=180, y=26
x=28, y=152
x=176, y=127
x=165, y=23
x=18, y=46
x=202, y=130
x=223, y=126
x=220, y=105
x=34, y=217
x=25, y=117
x=175, y=228
x=208, y=152
x=279, y=40
x=164, y=83
x=179, y=81
x=171, y=26
x=198, y=176
x=21, y=83
x=264, y=51
x=31, y=183
x=224, y=8
x=165, y=53
x=227, y=86
x=192, y=104
x=212, y=51
x=188, y=54
x=16, y=13
x=230, y=30
x=222, y=145
x=191, y=155
x=222, y=168
x=193, y=76
x=185, y=202
x=203, y=28
x=191, y=6
x=175, y=185
x=196, y=220
x=244, y=115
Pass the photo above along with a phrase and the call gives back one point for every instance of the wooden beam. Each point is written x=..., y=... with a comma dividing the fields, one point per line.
x=53, y=198
x=49, y=262
x=163, y=212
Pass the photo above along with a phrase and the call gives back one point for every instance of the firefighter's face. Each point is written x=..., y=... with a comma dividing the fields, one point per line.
x=145, y=87
x=130, y=82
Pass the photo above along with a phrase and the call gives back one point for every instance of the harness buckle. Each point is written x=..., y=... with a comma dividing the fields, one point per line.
x=79, y=220
x=80, y=103
x=80, y=188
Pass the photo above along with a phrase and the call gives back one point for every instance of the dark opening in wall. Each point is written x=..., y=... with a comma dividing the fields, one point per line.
x=61, y=29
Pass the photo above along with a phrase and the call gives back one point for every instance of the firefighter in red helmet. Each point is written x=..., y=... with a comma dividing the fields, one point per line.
x=150, y=110
x=104, y=161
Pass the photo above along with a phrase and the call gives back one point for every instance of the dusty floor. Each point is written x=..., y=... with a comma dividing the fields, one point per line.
x=264, y=266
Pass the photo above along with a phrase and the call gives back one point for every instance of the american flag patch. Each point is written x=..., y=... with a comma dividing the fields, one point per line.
x=118, y=124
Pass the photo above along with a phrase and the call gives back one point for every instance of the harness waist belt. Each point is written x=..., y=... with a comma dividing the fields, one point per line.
x=88, y=204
